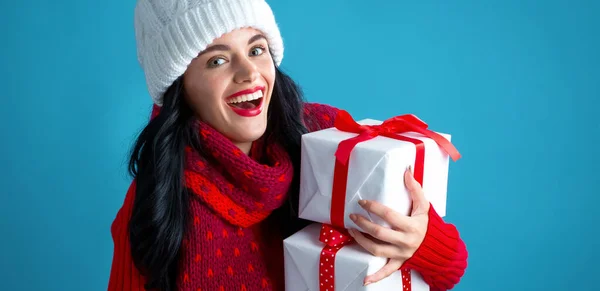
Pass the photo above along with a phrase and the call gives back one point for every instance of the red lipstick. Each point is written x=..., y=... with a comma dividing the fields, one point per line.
x=249, y=112
x=247, y=91
x=244, y=108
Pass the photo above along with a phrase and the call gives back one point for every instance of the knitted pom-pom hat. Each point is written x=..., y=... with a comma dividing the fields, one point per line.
x=171, y=33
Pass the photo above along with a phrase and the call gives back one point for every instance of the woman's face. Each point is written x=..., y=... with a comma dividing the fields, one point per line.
x=229, y=85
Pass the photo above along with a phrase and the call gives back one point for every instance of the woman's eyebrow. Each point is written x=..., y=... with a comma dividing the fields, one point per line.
x=224, y=47
x=256, y=37
x=216, y=47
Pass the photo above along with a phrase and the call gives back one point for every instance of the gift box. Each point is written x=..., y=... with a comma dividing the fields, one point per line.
x=367, y=160
x=308, y=267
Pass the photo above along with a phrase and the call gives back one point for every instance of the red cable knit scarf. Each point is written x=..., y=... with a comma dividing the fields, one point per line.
x=231, y=192
x=247, y=191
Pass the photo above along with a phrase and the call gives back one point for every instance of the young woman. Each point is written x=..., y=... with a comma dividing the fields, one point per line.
x=216, y=169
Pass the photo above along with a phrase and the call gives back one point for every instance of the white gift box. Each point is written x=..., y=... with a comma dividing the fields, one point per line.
x=353, y=263
x=376, y=172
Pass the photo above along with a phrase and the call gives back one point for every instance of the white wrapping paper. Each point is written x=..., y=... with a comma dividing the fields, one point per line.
x=352, y=264
x=376, y=172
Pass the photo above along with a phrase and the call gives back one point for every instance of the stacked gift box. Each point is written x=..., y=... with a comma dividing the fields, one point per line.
x=347, y=163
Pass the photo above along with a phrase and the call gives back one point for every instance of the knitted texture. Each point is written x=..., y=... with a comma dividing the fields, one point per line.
x=240, y=189
x=171, y=33
x=124, y=276
x=319, y=116
x=230, y=243
x=220, y=252
x=441, y=259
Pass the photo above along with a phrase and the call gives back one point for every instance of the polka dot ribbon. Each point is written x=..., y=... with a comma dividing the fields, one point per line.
x=334, y=239
x=406, y=279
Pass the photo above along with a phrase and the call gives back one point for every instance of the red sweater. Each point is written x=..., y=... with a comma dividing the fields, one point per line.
x=441, y=258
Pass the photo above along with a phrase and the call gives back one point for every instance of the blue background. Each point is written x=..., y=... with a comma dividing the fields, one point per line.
x=516, y=83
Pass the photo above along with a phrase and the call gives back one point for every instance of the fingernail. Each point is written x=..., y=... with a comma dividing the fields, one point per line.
x=362, y=202
x=367, y=283
x=351, y=232
x=353, y=217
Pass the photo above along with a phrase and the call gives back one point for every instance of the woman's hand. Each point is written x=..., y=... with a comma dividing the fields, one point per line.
x=407, y=233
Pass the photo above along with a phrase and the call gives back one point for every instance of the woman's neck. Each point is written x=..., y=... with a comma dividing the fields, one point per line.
x=244, y=146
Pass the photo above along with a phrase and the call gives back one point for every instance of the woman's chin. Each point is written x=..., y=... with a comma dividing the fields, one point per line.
x=247, y=134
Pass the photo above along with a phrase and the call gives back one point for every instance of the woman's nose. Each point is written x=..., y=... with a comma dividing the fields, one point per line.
x=246, y=72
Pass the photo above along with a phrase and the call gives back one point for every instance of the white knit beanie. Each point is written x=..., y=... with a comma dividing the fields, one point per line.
x=171, y=33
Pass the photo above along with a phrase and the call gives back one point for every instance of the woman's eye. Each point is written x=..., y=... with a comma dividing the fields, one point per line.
x=257, y=51
x=216, y=62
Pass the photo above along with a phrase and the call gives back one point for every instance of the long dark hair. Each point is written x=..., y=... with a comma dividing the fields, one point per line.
x=160, y=210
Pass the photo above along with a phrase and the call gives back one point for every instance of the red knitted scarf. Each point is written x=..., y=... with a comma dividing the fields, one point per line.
x=231, y=192
x=247, y=191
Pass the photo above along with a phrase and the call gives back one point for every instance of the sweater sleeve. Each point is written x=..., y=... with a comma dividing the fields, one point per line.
x=124, y=276
x=442, y=256
x=318, y=116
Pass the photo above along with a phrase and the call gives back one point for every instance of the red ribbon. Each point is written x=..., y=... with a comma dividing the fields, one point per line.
x=389, y=128
x=334, y=239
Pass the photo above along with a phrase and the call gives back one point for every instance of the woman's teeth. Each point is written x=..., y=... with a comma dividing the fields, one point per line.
x=245, y=98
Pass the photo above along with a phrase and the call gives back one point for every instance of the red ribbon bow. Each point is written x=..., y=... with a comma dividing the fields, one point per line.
x=389, y=128
x=334, y=237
